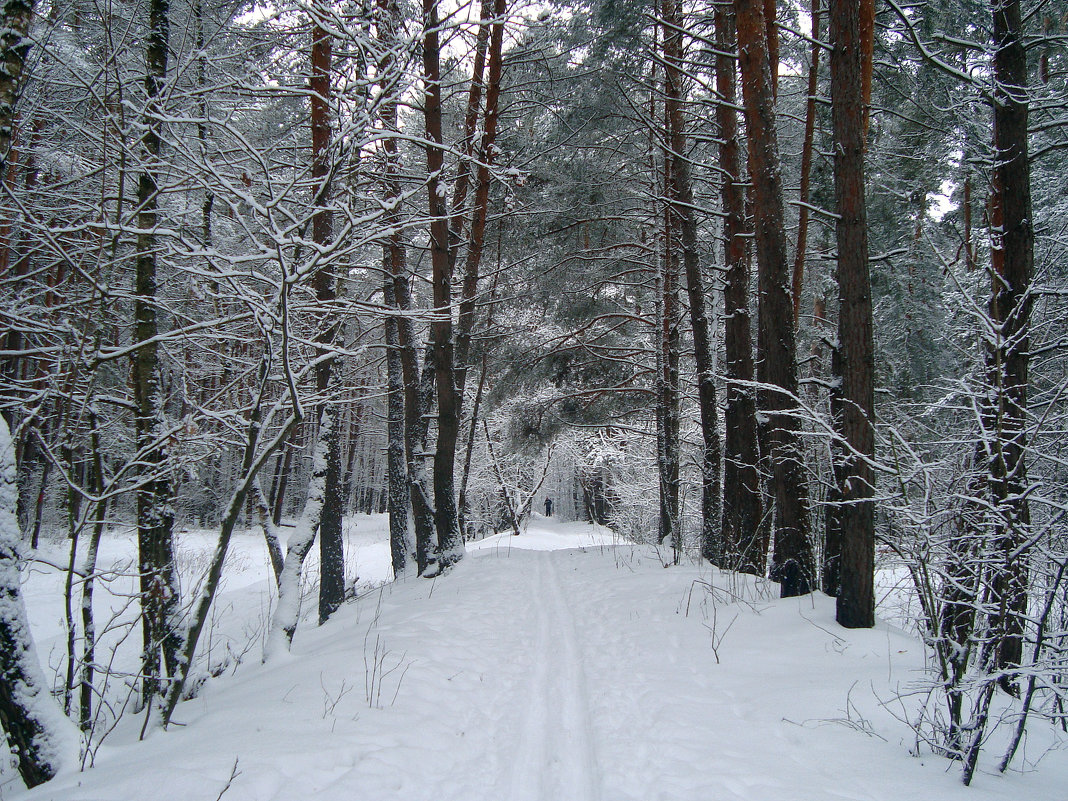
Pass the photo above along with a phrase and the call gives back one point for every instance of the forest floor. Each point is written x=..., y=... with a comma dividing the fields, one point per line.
x=559, y=665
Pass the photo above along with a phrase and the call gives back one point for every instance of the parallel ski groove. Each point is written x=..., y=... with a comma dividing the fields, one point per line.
x=555, y=758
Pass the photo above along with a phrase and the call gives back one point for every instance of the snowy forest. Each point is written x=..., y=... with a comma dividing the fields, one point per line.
x=310, y=307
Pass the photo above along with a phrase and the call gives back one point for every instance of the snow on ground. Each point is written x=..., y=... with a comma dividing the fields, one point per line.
x=559, y=665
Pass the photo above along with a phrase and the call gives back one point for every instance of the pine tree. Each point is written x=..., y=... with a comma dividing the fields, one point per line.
x=852, y=394
x=792, y=563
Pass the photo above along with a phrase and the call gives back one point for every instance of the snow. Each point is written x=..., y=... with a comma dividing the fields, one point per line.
x=558, y=665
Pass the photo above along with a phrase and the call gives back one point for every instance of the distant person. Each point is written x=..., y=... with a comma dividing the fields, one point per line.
x=548, y=507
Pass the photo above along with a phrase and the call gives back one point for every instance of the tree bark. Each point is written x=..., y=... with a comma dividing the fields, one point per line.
x=476, y=242
x=771, y=32
x=1010, y=311
x=807, y=149
x=853, y=396
x=668, y=378
x=331, y=545
x=711, y=547
x=474, y=102
x=792, y=564
x=415, y=403
x=867, y=58
x=400, y=545
x=160, y=599
x=744, y=542
x=450, y=543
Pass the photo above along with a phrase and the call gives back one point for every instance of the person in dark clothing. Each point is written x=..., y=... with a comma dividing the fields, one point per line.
x=548, y=507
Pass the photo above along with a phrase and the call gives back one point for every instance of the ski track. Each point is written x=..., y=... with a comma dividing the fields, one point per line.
x=556, y=758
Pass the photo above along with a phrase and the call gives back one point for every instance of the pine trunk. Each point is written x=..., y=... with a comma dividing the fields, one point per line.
x=807, y=149
x=1010, y=310
x=792, y=564
x=711, y=547
x=744, y=541
x=450, y=543
x=853, y=397
x=416, y=404
x=671, y=523
x=331, y=546
x=476, y=242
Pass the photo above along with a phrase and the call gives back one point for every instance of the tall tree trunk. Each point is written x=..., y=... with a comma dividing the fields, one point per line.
x=331, y=546
x=743, y=539
x=807, y=148
x=853, y=396
x=474, y=102
x=792, y=563
x=867, y=60
x=416, y=406
x=668, y=378
x=771, y=36
x=450, y=543
x=397, y=499
x=1010, y=312
x=476, y=242
x=160, y=598
x=711, y=546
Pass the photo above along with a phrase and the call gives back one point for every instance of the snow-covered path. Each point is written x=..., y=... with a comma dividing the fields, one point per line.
x=556, y=758
x=585, y=673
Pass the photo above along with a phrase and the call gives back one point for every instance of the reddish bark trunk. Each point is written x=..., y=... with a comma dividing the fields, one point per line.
x=853, y=398
x=743, y=537
x=792, y=563
x=450, y=543
x=1010, y=310
x=806, y=164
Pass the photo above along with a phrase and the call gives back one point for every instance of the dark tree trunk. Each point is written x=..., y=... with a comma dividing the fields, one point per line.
x=867, y=60
x=397, y=498
x=711, y=547
x=474, y=103
x=331, y=546
x=450, y=543
x=160, y=598
x=771, y=29
x=1010, y=311
x=792, y=564
x=807, y=149
x=331, y=543
x=476, y=242
x=283, y=466
x=416, y=404
x=472, y=430
x=668, y=378
x=853, y=397
x=744, y=542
